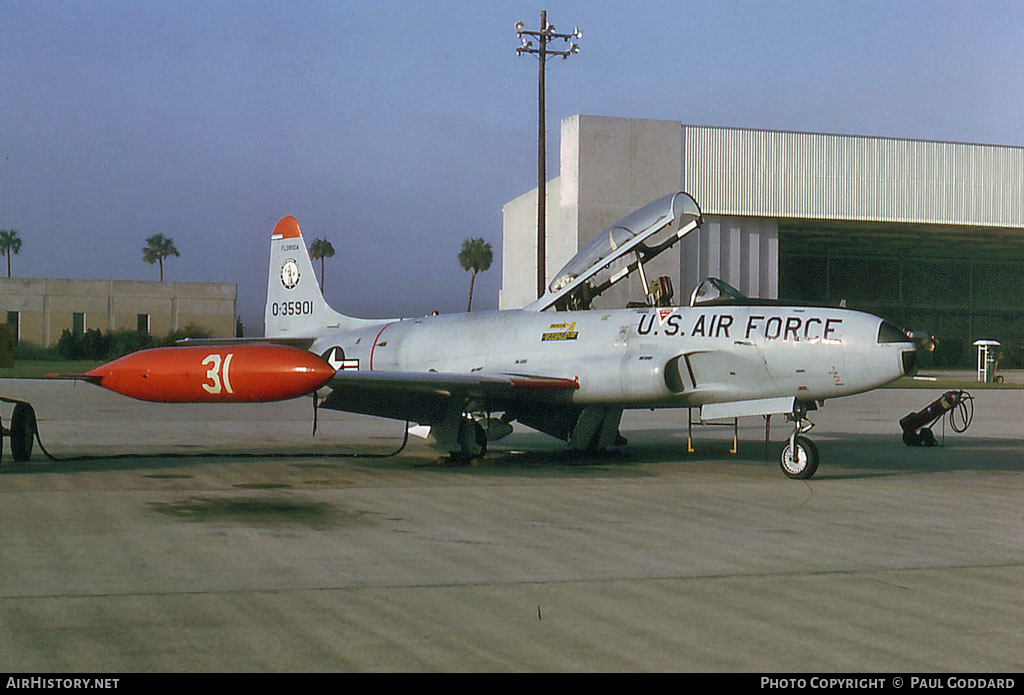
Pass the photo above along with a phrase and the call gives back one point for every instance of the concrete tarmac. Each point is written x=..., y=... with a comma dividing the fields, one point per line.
x=892, y=559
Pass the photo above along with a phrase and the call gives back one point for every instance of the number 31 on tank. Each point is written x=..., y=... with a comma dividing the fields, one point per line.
x=218, y=373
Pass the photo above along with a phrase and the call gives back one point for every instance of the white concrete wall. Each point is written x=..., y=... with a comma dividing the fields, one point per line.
x=519, y=245
x=609, y=167
x=615, y=166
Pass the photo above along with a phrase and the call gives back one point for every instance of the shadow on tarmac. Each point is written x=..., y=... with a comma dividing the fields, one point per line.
x=843, y=457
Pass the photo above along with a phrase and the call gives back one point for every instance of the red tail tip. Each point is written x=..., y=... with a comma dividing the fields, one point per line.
x=287, y=228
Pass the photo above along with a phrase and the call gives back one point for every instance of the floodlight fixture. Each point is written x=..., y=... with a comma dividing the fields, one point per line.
x=546, y=33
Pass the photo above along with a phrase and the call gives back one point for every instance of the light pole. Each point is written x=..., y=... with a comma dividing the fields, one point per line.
x=545, y=35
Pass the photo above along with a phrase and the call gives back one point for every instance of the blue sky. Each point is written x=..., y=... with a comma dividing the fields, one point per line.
x=397, y=129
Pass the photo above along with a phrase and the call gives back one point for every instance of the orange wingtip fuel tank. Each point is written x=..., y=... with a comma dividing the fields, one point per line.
x=249, y=373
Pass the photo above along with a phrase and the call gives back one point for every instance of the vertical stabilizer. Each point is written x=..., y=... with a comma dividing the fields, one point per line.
x=295, y=306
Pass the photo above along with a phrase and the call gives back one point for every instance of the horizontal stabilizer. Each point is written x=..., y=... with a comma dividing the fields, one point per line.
x=300, y=343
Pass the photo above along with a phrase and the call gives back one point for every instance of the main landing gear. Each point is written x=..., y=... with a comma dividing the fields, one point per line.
x=22, y=432
x=463, y=438
x=472, y=441
x=800, y=457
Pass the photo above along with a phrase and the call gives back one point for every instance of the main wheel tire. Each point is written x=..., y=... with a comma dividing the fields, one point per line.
x=473, y=439
x=804, y=463
x=23, y=431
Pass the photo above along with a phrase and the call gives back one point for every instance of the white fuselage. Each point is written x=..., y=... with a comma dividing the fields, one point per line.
x=647, y=357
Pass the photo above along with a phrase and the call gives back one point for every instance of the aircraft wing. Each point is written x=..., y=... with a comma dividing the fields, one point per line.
x=479, y=384
x=426, y=396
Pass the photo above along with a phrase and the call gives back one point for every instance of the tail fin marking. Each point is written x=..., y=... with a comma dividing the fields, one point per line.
x=295, y=306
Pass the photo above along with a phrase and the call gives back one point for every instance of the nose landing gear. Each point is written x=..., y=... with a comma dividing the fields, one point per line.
x=799, y=459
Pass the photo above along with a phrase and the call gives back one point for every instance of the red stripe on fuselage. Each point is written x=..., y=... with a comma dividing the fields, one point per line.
x=376, y=340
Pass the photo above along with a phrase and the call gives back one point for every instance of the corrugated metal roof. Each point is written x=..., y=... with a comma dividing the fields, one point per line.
x=782, y=174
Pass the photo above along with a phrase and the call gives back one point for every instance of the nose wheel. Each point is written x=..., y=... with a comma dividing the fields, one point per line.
x=799, y=458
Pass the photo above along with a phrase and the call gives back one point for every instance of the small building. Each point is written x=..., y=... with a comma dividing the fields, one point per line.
x=928, y=234
x=42, y=308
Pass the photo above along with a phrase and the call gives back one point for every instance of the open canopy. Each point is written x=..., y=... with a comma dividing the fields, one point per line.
x=619, y=250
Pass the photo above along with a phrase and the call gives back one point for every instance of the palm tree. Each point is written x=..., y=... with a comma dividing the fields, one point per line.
x=157, y=248
x=319, y=250
x=10, y=243
x=476, y=255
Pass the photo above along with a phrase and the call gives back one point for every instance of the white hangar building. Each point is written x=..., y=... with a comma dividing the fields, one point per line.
x=928, y=234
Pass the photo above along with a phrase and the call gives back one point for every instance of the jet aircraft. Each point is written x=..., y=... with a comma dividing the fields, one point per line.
x=557, y=365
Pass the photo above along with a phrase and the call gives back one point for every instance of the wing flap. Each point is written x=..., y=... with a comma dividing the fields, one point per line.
x=746, y=408
x=474, y=384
